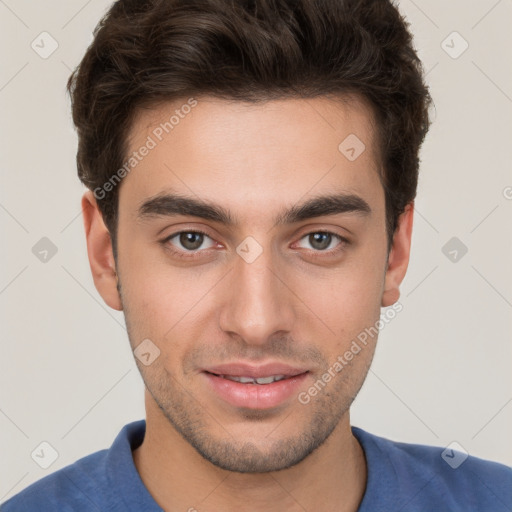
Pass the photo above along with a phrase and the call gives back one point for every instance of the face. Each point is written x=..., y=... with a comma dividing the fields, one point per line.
x=273, y=278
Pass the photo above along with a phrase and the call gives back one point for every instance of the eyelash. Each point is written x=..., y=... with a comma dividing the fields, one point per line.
x=190, y=254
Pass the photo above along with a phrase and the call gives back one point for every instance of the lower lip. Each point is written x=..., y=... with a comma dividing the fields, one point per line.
x=255, y=396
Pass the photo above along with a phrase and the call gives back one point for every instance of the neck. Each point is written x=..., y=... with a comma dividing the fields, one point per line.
x=333, y=477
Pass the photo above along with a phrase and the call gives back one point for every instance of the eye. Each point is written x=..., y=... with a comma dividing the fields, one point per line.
x=190, y=242
x=321, y=241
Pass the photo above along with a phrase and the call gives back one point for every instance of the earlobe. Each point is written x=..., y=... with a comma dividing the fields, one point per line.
x=398, y=257
x=100, y=252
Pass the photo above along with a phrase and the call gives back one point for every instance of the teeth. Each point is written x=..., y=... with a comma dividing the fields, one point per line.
x=266, y=380
x=259, y=380
x=244, y=380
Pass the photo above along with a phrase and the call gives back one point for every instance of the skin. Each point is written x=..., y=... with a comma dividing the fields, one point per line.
x=199, y=452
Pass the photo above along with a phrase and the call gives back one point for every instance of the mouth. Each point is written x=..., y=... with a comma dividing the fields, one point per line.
x=261, y=387
x=254, y=380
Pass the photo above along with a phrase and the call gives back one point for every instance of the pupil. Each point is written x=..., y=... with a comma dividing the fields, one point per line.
x=317, y=237
x=187, y=240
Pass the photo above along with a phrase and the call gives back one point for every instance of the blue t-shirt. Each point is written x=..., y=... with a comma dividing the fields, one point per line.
x=401, y=477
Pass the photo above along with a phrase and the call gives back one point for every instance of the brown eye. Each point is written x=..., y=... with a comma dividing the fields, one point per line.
x=191, y=240
x=187, y=243
x=320, y=241
x=324, y=241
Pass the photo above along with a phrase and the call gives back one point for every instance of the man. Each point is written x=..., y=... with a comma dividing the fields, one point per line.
x=252, y=169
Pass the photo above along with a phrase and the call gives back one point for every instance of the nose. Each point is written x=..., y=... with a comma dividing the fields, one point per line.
x=259, y=301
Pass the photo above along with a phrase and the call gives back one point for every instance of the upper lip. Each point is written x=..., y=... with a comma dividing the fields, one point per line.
x=256, y=371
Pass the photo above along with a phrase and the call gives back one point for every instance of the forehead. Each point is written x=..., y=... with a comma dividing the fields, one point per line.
x=251, y=155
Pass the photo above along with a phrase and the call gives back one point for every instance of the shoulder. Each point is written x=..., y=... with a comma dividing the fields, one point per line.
x=104, y=480
x=75, y=487
x=446, y=477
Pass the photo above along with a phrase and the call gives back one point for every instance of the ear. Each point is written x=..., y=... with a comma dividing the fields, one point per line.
x=398, y=257
x=100, y=252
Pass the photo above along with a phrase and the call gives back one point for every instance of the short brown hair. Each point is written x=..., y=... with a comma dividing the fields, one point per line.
x=149, y=51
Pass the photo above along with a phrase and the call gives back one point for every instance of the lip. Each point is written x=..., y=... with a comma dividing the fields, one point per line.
x=255, y=396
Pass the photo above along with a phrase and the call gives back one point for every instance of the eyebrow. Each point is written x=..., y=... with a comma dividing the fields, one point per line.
x=171, y=204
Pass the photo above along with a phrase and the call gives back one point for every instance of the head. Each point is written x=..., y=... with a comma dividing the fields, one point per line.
x=252, y=169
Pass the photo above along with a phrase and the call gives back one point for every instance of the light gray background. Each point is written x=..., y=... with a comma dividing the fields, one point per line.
x=442, y=368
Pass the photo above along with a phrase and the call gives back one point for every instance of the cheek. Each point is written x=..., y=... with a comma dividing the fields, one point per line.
x=152, y=293
x=166, y=306
x=348, y=297
x=350, y=307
